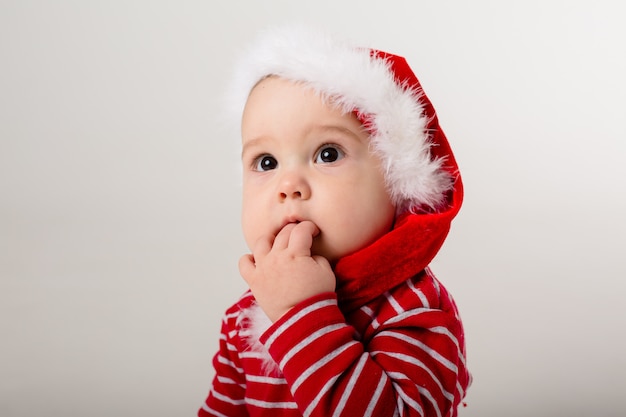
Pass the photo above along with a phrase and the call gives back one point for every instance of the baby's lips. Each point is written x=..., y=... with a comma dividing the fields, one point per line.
x=289, y=220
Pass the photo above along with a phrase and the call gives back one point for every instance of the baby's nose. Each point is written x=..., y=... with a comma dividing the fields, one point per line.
x=293, y=186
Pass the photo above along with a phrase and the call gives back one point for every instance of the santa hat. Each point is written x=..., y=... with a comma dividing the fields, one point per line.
x=384, y=93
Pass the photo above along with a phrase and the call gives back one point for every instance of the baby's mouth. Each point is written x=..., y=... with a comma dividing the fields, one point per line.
x=296, y=221
x=291, y=220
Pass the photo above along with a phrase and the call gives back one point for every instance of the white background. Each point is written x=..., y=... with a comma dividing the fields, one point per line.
x=119, y=195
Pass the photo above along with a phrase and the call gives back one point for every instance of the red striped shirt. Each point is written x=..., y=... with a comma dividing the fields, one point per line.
x=400, y=354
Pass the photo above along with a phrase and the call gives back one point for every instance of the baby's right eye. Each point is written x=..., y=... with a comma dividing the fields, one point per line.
x=265, y=163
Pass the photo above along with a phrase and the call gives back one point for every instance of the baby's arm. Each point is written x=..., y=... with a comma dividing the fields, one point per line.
x=410, y=363
x=281, y=271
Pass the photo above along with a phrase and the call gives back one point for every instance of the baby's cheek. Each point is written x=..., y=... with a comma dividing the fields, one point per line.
x=323, y=246
x=250, y=231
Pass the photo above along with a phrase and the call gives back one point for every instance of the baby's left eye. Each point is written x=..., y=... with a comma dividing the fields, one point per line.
x=328, y=154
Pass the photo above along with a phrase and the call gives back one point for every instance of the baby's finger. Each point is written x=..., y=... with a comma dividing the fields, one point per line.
x=282, y=238
x=246, y=267
x=301, y=238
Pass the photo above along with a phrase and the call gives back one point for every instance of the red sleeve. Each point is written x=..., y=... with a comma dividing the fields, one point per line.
x=409, y=358
x=226, y=397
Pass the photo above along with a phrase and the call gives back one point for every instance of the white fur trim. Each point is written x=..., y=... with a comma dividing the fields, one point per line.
x=253, y=323
x=353, y=80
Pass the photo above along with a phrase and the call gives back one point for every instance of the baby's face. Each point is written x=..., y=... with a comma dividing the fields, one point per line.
x=306, y=160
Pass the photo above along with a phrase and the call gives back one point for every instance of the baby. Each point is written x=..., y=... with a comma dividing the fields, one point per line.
x=349, y=189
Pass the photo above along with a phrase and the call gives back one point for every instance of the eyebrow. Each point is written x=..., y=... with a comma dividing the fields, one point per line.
x=335, y=128
x=251, y=144
x=331, y=128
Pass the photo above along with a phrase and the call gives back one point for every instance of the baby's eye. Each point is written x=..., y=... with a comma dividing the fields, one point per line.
x=329, y=154
x=265, y=163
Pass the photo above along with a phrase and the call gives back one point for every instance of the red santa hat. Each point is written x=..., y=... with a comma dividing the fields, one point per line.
x=381, y=89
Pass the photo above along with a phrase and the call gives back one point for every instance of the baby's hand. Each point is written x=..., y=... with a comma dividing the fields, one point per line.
x=283, y=273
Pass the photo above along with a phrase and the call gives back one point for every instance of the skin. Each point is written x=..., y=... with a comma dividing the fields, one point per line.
x=313, y=192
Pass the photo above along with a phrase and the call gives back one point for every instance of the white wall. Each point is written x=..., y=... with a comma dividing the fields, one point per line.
x=119, y=199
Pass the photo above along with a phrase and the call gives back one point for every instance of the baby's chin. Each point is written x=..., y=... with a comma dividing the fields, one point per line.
x=334, y=250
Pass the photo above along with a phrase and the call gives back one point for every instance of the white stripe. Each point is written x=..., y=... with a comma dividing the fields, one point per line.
x=376, y=396
x=410, y=313
x=419, y=293
x=370, y=313
x=270, y=404
x=317, y=306
x=399, y=405
x=437, y=329
x=460, y=389
x=320, y=363
x=227, y=399
x=434, y=281
x=375, y=324
x=229, y=381
x=221, y=359
x=394, y=304
x=430, y=351
x=307, y=341
x=419, y=364
x=253, y=354
x=353, y=378
x=367, y=311
x=425, y=393
x=406, y=399
x=309, y=410
x=212, y=411
x=266, y=379
x=445, y=331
